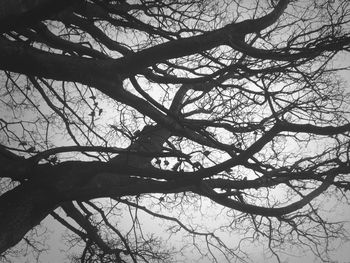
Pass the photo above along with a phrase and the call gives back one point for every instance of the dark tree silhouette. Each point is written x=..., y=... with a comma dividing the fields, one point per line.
x=213, y=117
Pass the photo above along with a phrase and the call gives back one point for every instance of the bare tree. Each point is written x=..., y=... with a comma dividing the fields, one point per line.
x=232, y=110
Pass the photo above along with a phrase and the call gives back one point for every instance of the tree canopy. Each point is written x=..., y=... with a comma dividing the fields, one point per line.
x=160, y=131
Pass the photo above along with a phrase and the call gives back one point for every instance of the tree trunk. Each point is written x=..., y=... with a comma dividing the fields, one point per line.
x=25, y=206
x=21, y=209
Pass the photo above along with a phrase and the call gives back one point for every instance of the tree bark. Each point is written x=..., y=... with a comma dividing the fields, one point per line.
x=25, y=206
x=21, y=209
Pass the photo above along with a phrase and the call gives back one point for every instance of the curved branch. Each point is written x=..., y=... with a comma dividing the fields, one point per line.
x=264, y=211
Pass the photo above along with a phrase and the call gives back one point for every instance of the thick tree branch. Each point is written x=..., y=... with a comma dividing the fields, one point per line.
x=20, y=58
x=218, y=106
x=18, y=13
x=309, y=128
